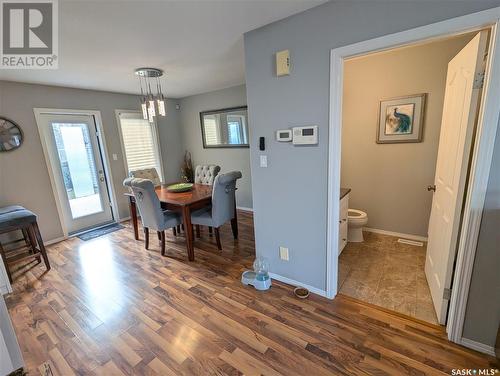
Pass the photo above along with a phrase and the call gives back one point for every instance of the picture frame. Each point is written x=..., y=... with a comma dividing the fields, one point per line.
x=225, y=128
x=401, y=119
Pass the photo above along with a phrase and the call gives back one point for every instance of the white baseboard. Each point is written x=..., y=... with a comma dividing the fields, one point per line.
x=54, y=241
x=125, y=219
x=5, y=289
x=481, y=347
x=244, y=209
x=292, y=282
x=396, y=234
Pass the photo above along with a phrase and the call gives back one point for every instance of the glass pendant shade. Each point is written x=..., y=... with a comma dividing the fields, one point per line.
x=151, y=106
x=161, y=106
x=144, y=108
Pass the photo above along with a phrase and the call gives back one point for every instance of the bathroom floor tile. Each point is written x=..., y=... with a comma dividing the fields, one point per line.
x=389, y=274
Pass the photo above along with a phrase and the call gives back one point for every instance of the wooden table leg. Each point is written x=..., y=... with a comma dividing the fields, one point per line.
x=234, y=223
x=133, y=214
x=188, y=228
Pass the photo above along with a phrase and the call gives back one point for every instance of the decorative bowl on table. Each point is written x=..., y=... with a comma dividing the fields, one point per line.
x=180, y=187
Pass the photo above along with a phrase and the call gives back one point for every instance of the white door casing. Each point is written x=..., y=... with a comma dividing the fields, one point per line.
x=99, y=217
x=460, y=110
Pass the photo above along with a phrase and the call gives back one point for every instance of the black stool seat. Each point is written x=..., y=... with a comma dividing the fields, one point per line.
x=11, y=208
x=16, y=218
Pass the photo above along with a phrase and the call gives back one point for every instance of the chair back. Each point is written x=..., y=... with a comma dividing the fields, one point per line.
x=147, y=202
x=146, y=173
x=205, y=174
x=223, y=197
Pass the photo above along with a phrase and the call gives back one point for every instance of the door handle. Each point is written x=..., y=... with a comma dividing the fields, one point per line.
x=431, y=188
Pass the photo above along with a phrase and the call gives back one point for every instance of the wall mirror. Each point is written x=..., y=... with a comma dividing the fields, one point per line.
x=226, y=128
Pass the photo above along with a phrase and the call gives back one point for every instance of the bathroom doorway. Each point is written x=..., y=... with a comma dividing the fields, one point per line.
x=395, y=160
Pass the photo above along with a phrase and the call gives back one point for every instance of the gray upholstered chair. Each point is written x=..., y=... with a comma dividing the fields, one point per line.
x=205, y=174
x=152, y=215
x=146, y=173
x=223, y=204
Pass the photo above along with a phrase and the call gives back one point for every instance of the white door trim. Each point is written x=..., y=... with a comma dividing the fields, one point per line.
x=481, y=163
x=102, y=143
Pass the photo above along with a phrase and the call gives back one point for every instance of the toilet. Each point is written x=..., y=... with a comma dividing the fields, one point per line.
x=356, y=219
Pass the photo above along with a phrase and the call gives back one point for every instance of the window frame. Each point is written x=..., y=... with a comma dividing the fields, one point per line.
x=156, y=142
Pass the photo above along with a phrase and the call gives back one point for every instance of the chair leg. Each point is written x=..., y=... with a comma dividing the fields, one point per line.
x=179, y=229
x=162, y=240
x=174, y=231
x=217, y=239
x=198, y=231
x=40, y=245
x=27, y=240
x=146, y=237
x=210, y=230
x=4, y=258
x=32, y=240
x=159, y=235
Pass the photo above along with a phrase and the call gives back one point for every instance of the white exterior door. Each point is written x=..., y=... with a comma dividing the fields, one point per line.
x=75, y=158
x=457, y=128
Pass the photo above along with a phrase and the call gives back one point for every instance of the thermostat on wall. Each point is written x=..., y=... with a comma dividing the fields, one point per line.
x=284, y=135
x=305, y=135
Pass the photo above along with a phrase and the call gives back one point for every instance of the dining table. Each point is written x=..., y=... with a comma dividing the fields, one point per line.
x=200, y=196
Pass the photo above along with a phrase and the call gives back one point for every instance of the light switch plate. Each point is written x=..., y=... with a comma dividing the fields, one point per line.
x=115, y=157
x=284, y=253
x=263, y=161
x=282, y=63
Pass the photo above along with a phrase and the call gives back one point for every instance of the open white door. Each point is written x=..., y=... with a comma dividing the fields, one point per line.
x=461, y=101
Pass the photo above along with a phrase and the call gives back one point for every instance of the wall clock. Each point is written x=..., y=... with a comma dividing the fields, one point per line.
x=11, y=136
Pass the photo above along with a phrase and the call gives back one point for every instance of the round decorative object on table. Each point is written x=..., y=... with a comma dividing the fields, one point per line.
x=11, y=136
x=180, y=187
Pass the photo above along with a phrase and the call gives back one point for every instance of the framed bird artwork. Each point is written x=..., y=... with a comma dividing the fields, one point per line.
x=401, y=119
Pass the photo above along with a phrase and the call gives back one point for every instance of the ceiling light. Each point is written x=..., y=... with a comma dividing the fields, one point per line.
x=148, y=100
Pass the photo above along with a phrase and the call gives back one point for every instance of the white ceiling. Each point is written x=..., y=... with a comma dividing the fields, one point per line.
x=199, y=44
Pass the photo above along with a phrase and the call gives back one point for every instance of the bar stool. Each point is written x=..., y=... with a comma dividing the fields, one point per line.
x=17, y=218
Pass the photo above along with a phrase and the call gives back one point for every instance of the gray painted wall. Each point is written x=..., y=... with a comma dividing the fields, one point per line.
x=290, y=195
x=228, y=159
x=482, y=318
x=389, y=181
x=24, y=177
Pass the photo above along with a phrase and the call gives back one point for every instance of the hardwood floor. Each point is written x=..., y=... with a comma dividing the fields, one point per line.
x=109, y=307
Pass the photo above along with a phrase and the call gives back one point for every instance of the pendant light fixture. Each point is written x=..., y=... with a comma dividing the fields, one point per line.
x=149, y=101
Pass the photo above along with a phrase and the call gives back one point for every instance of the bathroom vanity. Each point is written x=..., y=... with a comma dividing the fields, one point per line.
x=344, y=205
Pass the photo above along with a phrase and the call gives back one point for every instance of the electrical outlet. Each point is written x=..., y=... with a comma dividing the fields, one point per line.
x=284, y=253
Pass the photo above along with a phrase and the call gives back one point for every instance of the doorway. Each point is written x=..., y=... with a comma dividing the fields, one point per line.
x=406, y=94
x=76, y=161
x=479, y=164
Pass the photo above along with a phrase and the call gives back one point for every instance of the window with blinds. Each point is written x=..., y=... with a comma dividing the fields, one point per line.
x=140, y=142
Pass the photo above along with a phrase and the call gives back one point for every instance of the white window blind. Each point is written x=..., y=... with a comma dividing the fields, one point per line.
x=211, y=131
x=140, y=142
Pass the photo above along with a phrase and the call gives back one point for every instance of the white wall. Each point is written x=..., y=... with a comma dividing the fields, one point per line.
x=389, y=181
x=228, y=158
x=24, y=178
